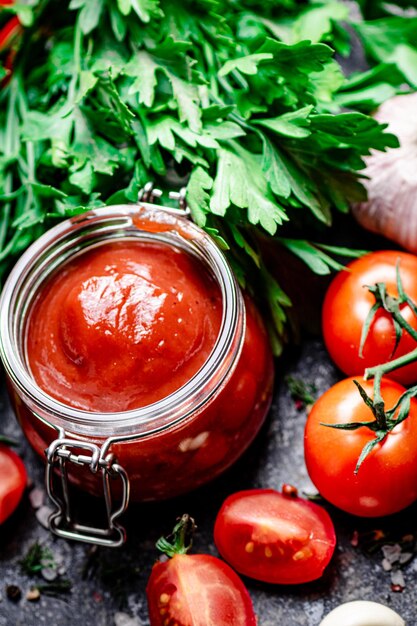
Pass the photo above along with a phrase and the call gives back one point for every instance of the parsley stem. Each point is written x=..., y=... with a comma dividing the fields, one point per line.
x=9, y=149
x=237, y=118
x=211, y=68
x=77, y=62
x=26, y=166
x=379, y=404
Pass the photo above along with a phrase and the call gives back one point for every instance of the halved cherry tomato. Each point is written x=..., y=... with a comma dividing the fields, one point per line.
x=274, y=537
x=197, y=590
x=13, y=481
x=347, y=304
x=387, y=479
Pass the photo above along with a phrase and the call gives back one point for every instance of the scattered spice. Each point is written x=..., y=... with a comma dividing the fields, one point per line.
x=33, y=595
x=13, y=592
x=49, y=573
x=43, y=514
x=36, y=497
x=397, y=580
x=397, y=552
x=355, y=539
x=123, y=619
x=97, y=597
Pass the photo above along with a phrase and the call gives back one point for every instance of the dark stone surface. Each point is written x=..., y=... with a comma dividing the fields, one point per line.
x=108, y=587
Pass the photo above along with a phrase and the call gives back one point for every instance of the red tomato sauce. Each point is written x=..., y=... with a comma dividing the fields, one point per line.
x=122, y=326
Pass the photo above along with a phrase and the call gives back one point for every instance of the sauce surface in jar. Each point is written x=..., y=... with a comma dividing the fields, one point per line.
x=122, y=326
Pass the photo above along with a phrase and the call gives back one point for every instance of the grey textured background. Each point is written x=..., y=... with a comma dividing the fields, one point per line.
x=274, y=458
x=108, y=587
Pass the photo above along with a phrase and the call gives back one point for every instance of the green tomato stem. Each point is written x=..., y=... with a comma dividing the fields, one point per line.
x=402, y=322
x=386, y=368
x=379, y=404
x=181, y=538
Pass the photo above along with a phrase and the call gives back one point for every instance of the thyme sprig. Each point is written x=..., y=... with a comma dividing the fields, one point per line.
x=36, y=559
x=301, y=391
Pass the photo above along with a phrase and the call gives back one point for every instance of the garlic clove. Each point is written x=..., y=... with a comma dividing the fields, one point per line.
x=362, y=613
x=391, y=208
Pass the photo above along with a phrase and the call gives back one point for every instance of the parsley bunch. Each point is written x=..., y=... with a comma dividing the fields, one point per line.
x=108, y=94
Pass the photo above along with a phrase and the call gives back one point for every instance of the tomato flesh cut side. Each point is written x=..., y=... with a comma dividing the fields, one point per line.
x=197, y=590
x=274, y=538
x=13, y=481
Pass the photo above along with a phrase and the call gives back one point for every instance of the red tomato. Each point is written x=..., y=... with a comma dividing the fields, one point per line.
x=347, y=304
x=197, y=590
x=273, y=537
x=387, y=479
x=12, y=481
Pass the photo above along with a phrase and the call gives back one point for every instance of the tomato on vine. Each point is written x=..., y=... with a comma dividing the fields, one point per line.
x=348, y=303
x=362, y=456
x=275, y=537
x=197, y=589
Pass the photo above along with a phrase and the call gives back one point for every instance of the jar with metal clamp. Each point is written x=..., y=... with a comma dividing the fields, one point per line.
x=187, y=431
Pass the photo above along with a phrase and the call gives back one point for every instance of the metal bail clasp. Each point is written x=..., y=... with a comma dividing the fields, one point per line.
x=149, y=195
x=61, y=521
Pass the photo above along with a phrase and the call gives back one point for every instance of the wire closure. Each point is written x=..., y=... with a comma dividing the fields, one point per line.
x=61, y=521
x=59, y=454
x=149, y=195
x=67, y=453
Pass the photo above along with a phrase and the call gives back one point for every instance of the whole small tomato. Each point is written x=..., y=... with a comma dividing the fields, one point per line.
x=274, y=537
x=13, y=481
x=386, y=481
x=346, y=307
x=195, y=590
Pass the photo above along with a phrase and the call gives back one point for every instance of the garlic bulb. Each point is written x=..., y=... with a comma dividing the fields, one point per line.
x=391, y=209
x=362, y=613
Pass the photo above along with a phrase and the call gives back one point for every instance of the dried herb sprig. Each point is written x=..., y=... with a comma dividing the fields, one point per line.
x=36, y=559
x=301, y=391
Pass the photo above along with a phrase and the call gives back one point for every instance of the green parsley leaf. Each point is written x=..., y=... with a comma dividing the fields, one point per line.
x=246, y=65
x=230, y=98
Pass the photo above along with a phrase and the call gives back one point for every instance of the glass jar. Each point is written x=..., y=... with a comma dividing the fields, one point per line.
x=166, y=448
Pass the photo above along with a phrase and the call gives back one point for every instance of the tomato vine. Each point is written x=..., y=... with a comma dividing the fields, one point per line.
x=385, y=420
